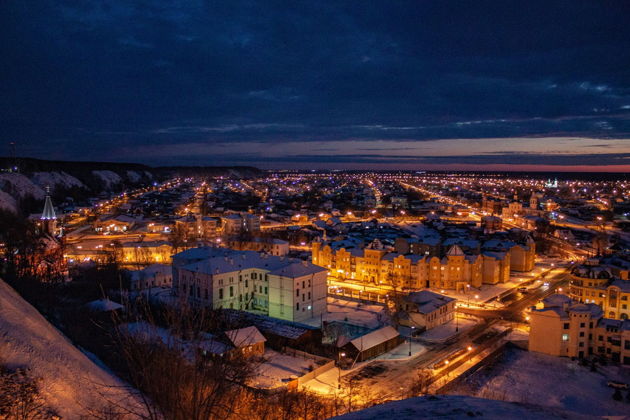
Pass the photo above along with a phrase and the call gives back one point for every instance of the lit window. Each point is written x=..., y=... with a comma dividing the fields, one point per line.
x=565, y=337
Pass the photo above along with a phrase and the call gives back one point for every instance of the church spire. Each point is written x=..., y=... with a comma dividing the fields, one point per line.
x=49, y=211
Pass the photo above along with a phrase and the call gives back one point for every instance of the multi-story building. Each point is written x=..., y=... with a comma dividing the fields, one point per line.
x=376, y=265
x=235, y=224
x=273, y=246
x=197, y=226
x=572, y=329
x=279, y=287
x=602, y=282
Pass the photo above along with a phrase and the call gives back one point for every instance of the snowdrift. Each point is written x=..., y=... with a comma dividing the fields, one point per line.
x=70, y=383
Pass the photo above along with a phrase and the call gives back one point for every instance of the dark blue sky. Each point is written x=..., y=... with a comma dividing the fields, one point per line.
x=318, y=83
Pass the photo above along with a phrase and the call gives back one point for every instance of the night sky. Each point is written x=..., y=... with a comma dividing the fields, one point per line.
x=319, y=84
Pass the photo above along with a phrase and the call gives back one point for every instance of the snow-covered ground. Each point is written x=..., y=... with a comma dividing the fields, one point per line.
x=108, y=177
x=448, y=330
x=402, y=351
x=54, y=179
x=456, y=407
x=549, y=381
x=371, y=316
x=70, y=382
x=280, y=368
x=20, y=186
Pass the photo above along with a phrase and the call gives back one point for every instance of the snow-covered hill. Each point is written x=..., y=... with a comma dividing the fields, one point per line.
x=7, y=202
x=108, y=177
x=20, y=186
x=54, y=179
x=70, y=382
x=457, y=407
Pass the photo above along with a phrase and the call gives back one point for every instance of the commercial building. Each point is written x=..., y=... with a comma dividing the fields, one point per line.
x=279, y=287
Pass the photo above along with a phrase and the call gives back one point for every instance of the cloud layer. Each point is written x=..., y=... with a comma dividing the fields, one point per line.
x=90, y=79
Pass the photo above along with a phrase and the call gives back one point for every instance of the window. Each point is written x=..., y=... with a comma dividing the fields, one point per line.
x=297, y=292
x=581, y=344
x=582, y=325
x=297, y=306
x=240, y=278
x=231, y=291
x=265, y=289
x=309, y=295
x=581, y=333
x=220, y=293
x=565, y=337
x=600, y=338
x=566, y=326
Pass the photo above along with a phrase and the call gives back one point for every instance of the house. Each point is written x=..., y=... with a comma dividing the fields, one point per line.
x=115, y=224
x=249, y=341
x=373, y=344
x=425, y=310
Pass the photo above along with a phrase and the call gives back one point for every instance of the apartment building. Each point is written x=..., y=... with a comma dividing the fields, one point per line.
x=279, y=287
x=563, y=327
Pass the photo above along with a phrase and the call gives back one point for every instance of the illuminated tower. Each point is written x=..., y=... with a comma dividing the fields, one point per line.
x=49, y=218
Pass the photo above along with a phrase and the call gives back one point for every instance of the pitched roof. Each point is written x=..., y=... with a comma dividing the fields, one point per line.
x=375, y=338
x=455, y=251
x=245, y=336
x=49, y=211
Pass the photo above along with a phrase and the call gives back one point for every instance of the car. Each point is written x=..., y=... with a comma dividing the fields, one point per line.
x=523, y=289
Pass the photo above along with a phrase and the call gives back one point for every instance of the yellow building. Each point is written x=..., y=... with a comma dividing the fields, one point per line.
x=594, y=282
x=375, y=265
x=572, y=329
x=146, y=252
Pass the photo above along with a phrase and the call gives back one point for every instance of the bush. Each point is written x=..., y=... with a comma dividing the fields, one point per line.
x=20, y=398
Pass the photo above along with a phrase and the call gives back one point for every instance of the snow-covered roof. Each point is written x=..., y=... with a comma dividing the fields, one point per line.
x=245, y=336
x=104, y=305
x=427, y=301
x=242, y=260
x=375, y=338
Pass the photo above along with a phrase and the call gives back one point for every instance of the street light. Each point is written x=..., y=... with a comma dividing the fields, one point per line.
x=339, y=369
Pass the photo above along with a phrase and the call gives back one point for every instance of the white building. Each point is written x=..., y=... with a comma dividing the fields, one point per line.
x=279, y=287
x=155, y=275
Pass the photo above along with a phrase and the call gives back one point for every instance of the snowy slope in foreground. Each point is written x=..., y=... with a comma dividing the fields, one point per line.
x=70, y=382
x=456, y=407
